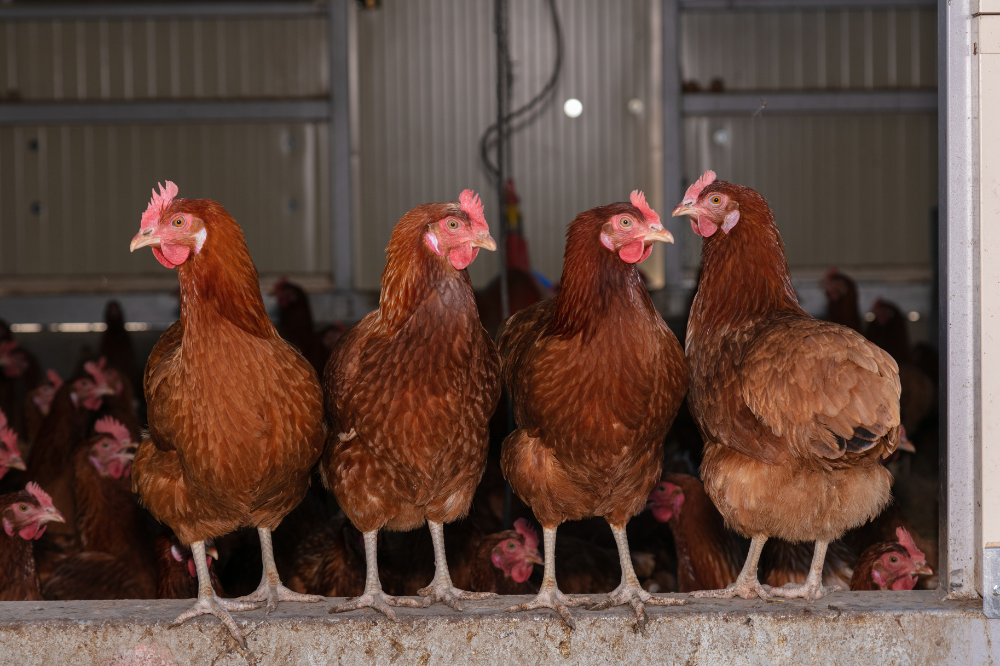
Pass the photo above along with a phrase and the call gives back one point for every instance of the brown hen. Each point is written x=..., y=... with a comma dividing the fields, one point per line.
x=235, y=412
x=795, y=412
x=596, y=378
x=410, y=391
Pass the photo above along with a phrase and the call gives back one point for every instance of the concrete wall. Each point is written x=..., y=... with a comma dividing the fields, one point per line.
x=844, y=628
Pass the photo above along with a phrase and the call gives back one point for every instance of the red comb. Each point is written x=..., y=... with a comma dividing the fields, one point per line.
x=706, y=179
x=639, y=201
x=530, y=535
x=907, y=542
x=96, y=370
x=9, y=438
x=54, y=378
x=110, y=426
x=40, y=495
x=159, y=203
x=473, y=207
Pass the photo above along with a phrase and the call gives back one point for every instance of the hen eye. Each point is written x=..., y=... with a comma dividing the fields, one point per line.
x=511, y=545
x=893, y=559
x=716, y=200
x=626, y=222
x=104, y=445
x=23, y=508
x=178, y=222
x=453, y=224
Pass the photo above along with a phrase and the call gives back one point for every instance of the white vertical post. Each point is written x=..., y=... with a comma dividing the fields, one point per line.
x=341, y=218
x=673, y=156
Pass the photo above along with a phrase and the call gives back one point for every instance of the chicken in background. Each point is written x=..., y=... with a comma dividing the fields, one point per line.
x=796, y=412
x=236, y=420
x=38, y=403
x=409, y=394
x=596, y=379
x=116, y=559
x=890, y=565
x=117, y=347
x=330, y=561
x=841, y=300
x=176, y=572
x=97, y=390
x=10, y=454
x=295, y=323
x=26, y=514
x=524, y=286
x=503, y=562
x=19, y=375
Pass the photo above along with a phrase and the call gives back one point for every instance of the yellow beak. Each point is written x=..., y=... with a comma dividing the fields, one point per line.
x=661, y=235
x=143, y=239
x=485, y=241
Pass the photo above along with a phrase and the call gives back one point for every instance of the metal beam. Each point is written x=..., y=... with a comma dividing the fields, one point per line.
x=756, y=5
x=673, y=152
x=341, y=219
x=44, y=11
x=768, y=103
x=164, y=112
x=958, y=172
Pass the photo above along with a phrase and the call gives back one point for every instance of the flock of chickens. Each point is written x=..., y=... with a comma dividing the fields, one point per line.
x=796, y=423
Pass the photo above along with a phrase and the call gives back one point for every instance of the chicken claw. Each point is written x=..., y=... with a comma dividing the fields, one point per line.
x=746, y=586
x=441, y=588
x=378, y=600
x=219, y=608
x=638, y=598
x=554, y=599
x=270, y=590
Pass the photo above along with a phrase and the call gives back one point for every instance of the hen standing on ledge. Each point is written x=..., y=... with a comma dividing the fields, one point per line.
x=597, y=378
x=410, y=391
x=235, y=412
x=795, y=412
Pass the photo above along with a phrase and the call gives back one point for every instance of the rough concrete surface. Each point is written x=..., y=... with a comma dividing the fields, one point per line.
x=843, y=628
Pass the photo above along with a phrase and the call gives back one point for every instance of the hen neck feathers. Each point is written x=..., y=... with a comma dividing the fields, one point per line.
x=744, y=276
x=597, y=288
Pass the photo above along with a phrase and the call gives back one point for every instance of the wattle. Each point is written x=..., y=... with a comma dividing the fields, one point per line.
x=521, y=571
x=633, y=252
x=705, y=227
x=171, y=255
x=462, y=256
x=663, y=514
x=904, y=583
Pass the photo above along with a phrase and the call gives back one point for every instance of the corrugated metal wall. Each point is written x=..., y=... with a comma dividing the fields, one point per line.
x=810, y=49
x=71, y=196
x=427, y=92
x=855, y=191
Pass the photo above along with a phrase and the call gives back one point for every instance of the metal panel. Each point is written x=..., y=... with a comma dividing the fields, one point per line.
x=426, y=86
x=71, y=196
x=846, y=191
x=809, y=49
x=162, y=112
x=180, y=58
x=959, y=159
x=99, y=10
x=901, y=101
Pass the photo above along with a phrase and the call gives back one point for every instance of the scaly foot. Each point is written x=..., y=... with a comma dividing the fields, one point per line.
x=810, y=591
x=557, y=601
x=448, y=594
x=219, y=608
x=745, y=588
x=381, y=602
x=272, y=594
x=638, y=598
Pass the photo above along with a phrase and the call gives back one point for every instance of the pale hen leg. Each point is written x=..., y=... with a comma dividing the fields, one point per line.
x=746, y=586
x=270, y=589
x=441, y=588
x=813, y=588
x=549, y=595
x=373, y=597
x=629, y=591
x=208, y=603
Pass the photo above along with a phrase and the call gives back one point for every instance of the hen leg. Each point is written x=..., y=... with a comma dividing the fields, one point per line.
x=209, y=604
x=629, y=591
x=373, y=597
x=813, y=588
x=441, y=588
x=270, y=589
x=747, y=585
x=549, y=595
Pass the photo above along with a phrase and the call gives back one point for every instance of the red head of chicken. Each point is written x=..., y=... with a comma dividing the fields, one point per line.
x=10, y=455
x=665, y=501
x=29, y=513
x=102, y=381
x=42, y=396
x=112, y=454
x=13, y=361
x=890, y=565
x=517, y=555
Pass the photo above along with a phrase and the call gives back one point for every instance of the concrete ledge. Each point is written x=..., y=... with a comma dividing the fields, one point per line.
x=844, y=628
